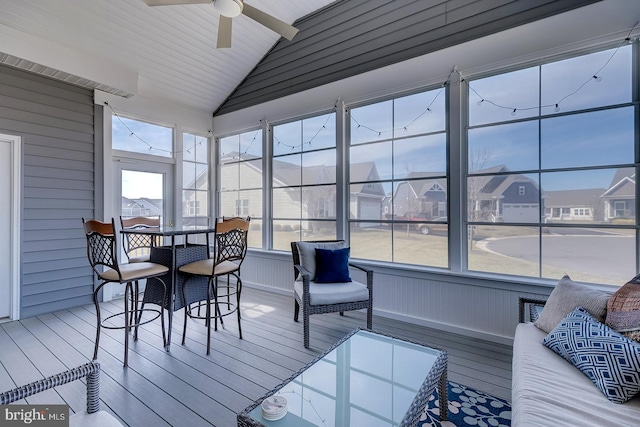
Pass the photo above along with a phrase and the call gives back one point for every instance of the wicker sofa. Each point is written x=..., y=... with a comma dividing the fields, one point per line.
x=93, y=416
x=549, y=391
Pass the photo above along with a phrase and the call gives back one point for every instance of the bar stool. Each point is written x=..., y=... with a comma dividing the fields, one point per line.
x=102, y=250
x=138, y=246
x=228, y=252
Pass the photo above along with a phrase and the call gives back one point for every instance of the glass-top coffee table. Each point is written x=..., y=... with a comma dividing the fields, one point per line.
x=366, y=379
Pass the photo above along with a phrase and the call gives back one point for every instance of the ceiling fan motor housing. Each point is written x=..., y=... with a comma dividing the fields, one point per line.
x=229, y=8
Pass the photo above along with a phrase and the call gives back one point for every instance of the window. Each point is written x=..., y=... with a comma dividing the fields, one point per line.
x=398, y=180
x=240, y=187
x=554, y=135
x=195, y=180
x=304, y=180
x=141, y=137
x=242, y=207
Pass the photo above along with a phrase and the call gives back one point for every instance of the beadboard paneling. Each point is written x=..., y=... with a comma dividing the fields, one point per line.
x=479, y=308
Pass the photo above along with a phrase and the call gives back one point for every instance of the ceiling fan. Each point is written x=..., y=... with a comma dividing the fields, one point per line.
x=229, y=9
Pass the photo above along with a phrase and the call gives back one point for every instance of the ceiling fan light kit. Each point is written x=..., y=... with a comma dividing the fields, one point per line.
x=228, y=8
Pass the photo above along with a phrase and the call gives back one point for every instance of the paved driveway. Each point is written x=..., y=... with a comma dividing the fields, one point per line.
x=612, y=255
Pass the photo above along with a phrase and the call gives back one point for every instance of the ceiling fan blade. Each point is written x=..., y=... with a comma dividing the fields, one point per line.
x=224, y=32
x=174, y=2
x=280, y=27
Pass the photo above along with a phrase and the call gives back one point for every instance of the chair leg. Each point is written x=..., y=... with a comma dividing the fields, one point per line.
x=128, y=291
x=296, y=310
x=213, y=288
x=136, y=315
x=164, y=297
x=370, y=317
x=186, y=310
x=99, y=321
x=238, y=292
x=305, y=321
x=184, y=327
x=208, y=314
x=215, y=295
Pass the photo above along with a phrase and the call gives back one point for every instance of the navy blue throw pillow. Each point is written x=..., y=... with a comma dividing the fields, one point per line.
x=332, y=265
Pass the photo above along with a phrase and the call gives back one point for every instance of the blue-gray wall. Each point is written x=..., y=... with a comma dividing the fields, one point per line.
x=56, y=123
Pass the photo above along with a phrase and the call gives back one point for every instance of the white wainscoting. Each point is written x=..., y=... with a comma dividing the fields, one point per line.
x=482, y=307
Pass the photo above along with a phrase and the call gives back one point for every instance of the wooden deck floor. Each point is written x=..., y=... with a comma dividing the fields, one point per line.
x=185, y=387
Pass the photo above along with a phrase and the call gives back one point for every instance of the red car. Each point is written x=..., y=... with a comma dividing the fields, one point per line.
x=438, y=225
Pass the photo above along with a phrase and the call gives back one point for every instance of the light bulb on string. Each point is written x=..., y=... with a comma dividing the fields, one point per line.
x=597, y=78
x=479, y=103
x=557, y=108
x=513, y=113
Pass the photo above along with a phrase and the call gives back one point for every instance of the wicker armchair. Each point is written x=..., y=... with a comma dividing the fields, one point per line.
x=326, y=297
x=92, y=417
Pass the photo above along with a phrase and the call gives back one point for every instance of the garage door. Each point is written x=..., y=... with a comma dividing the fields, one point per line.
x=369, y=209
x=520, y=213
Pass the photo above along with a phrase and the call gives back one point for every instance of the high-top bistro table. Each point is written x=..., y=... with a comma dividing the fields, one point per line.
x=173, y=256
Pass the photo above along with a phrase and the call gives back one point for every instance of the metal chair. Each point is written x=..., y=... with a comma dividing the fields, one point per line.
x=320, y=298
x=102, y=250
x=226, y=256
x=137, y=247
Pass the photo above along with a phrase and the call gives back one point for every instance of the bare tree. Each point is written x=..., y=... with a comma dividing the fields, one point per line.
x=477, y=161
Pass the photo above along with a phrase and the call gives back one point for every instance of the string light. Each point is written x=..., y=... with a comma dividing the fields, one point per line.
x=405, y=127
x=596, y=76
x=151, y=147
x=293, y=147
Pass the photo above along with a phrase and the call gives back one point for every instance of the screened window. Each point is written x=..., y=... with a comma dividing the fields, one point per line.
x=398, y=193
x=240, y=165
x=141, y=137
x=304, y=180
x=195, y=180
x=551, y=177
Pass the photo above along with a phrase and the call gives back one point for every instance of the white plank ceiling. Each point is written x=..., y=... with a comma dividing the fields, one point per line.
x=171, y=49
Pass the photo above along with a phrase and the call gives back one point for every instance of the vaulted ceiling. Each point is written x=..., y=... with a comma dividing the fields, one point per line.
x=128, y=48
x=168, y=53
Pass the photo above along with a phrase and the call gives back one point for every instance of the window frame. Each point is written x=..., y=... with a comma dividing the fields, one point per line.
x=541, y=116
x=270, y=141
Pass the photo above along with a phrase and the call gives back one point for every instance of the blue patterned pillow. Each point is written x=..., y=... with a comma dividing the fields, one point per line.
x=610, y=360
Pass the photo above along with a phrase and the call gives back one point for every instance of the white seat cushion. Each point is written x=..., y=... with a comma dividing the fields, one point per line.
x=204, y=267
x=333, y=293
x=97, y=419
x=134, y=271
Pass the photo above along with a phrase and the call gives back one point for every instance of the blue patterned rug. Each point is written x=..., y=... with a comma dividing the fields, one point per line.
x=468, y=407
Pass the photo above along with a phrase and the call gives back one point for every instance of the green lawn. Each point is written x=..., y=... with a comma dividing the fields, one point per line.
x=432, y=250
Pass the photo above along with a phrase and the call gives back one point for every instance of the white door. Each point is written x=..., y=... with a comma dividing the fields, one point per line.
x=9, y=229
x=142, y=188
